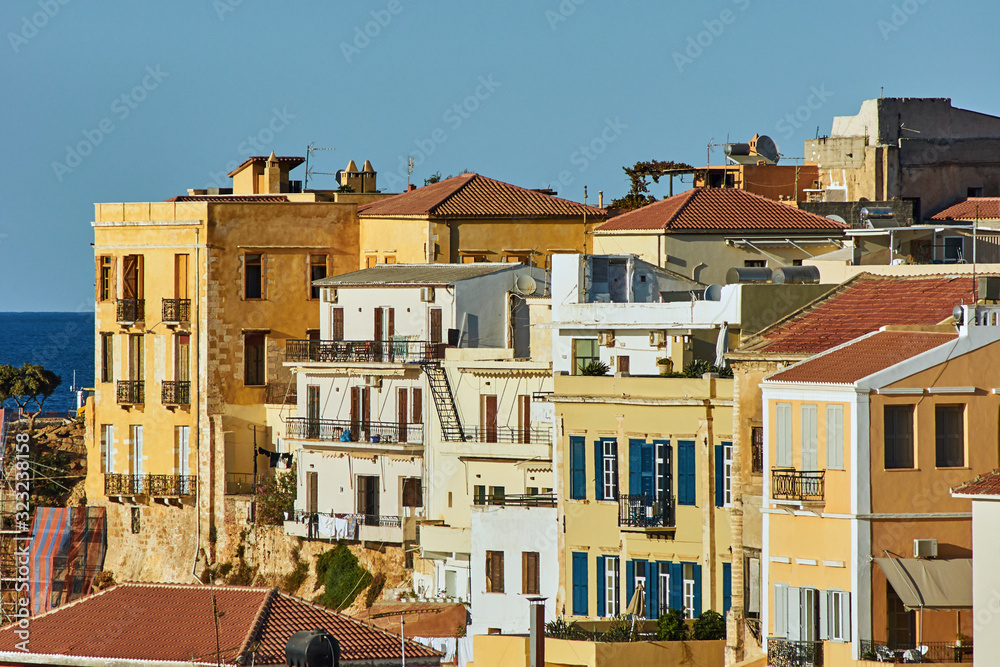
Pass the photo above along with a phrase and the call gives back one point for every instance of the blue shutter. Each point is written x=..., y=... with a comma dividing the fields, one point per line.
x=720, y=487
x=727, y=587
x=578, y=468
x=685, y=473
x=601, y=586
x=598, y=470
x=648, y=481
x=652, y=591
x=676, y=586
x=635, y=467
x=629, y=580
x=697, y=590
x=580, y=601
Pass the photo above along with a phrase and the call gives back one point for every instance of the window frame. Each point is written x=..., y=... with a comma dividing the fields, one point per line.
x=530, y=573
x=577, y=357
x=494, y=567
x=958, y=439
x=611, y=587
x=835, y=437
x=107, y=356
x=317, y=261
x=260, y=364
x=247, y=264
x=910, y=435
x=609, y=469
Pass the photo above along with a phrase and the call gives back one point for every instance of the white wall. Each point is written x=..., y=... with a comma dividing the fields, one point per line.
x=986, y=581
x=512, y=530
x=411, y=317
x=337, y=476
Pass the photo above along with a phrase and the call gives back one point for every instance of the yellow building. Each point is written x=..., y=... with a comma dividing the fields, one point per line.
x=194, y=299
x=862, y=445
x=472, y=218
x=643, y=493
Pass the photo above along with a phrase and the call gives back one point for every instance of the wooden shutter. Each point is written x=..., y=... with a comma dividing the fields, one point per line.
x=355, y=410
x=401, y=406
x=435, y=325
x=417, y=410
x=783, y=431
x=529, y=573
x=835, y=436
x=810, y=455
x=390, y=328
x=578, y=471
x=130, y=265
x=490, y=418
x=338, y=323
x=378, y=324
x=581, y=601
x=312, y=487
x=524, y=418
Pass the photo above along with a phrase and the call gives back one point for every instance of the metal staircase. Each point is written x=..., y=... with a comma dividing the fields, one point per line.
x=444, y=401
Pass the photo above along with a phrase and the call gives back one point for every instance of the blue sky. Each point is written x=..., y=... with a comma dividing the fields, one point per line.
x=137, y=101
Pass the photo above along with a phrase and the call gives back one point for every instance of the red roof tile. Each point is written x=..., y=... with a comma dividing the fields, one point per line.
x=475, y=196
x=231, y=199
x=859, y=306
x=719, y=209
x=863, y=357
x=987, y=484
x=175, y=622
x=973, y=208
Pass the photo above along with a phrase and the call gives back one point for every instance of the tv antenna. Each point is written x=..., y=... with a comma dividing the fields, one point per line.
x=409, y=171
x=709, y=147
x=309, y=151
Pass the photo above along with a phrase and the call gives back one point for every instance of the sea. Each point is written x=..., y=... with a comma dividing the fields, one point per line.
x=61, y=342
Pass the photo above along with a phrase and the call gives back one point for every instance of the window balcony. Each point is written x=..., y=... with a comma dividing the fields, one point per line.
x=517, y=500
x=914, y=652
x=131, y=310
x=176, y=392
x=363, y=351
x=642, y=511
x=240, y=483
x=783, y=653
x=176, y=310
x=538, y=435
x=343, y=430
x=131, y=392
x=119, y=484
x=800, y=485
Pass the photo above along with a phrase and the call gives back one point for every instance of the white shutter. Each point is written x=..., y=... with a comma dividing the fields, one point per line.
x=824, y=614
x=783, y=431
x=835, y=437
x=780, y=610
x=753, y=604
x=810, y=455
x=845, y=615
x=794, y=613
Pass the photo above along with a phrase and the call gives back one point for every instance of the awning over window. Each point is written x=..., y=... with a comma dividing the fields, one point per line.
x=930, y=584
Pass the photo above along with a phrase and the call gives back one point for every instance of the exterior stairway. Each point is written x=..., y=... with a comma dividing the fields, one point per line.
x=444, y=401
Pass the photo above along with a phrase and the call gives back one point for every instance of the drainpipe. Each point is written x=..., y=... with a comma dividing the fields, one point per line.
x=197, y=429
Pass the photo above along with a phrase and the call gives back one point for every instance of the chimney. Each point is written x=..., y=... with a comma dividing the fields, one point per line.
x=411, y=187
x=272, y=175
x=600, y=199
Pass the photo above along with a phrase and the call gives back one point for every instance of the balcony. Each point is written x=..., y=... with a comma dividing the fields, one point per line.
x=518, y=500
x=800, y=485
x=912, y=652
x=240, y=483
x=380, y=528
x=176, y=310
x=539, y=435
x=642, y=511
x=131, y=392
x=119, y=484
x=783, y=653
x=176, y=392
x=363, y=351
x=131, y=310
x=343, y=430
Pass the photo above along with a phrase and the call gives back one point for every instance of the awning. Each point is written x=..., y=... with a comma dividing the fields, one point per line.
x=930, y=584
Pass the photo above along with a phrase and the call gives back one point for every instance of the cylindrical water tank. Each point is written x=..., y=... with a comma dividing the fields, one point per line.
x=755, y=274
x=312, y=648
x=795, y=275
x=877, y=212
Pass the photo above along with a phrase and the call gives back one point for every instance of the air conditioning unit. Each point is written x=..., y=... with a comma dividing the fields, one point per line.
x=925, y=548
x=606, y=338
x=427, y=294
x=330, y=294
x=373, y=381
x=657, y=338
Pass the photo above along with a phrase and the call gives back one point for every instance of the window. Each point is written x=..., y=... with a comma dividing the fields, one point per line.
x=810, y=449
x=107, y=357
x=611, y=586
x=689, y=590
x=181, y=277
x=389, y=259
x=384, y=327
x=435, y=335
x=107, y=448
x=622, y=363
x=253, y=360
x=585, y=350
x=757, y=449
x=754, y=263
x=638, y=568
x=685, y=473
x=370, y=261
x=577, y=468
x=497, y=495
x=479, y=494
x=253, y=275
x=839, y=615
x=606, y=469
x=494, y=572
x=898, y=424
x=105, y=282
x=136, y=456
x=949, y=436
x=417, y=405
x=724, y=474
x=182, y=358
x=412, y=492
x=471, y=258
x=182, y=451
x=663, y=587
x=581, y=603
x=135, y=357
x=312, y=334
x=974, y=191
x=835, y=437
x=337, y=323
x=132, y=279
x=783, y=435
x=317, y=271
x=136, y=520
x=530, y=579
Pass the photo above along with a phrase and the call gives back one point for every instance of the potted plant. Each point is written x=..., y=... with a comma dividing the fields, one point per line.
x=666, y=365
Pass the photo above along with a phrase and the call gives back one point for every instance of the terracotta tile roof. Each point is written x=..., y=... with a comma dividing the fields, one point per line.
x=382, y=275
x=174, y=622
x=862, y=305
x=231, y=199
x=423, y=619
x=475, y=196
x=719, y=209
x=863, y=357
x=973, y=208
x=987, y=484
x=288, y=162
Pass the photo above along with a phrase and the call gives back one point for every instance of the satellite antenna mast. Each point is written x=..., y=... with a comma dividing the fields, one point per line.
x=409, y=171
x=309, y=150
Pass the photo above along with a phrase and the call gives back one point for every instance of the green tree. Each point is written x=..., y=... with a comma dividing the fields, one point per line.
x=709, y=625
x=670, y=627
x=29, y=384
x=433, y=178
x=595, y=367
x=275, y=496
x=342, y=575
x=639, y=176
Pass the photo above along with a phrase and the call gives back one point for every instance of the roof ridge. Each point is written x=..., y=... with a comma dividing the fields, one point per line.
x=691, y=194
x=471, y=176
x=253, y=633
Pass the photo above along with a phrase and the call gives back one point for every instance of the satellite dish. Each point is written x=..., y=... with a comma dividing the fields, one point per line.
x=713, y=293
x=525, y=285
x=836, y=218
x=959, y=314
x=767, y=149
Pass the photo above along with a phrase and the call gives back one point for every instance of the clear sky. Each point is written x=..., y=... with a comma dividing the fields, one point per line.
x=128, y=100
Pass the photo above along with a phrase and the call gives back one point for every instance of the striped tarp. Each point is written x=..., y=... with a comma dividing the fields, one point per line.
x=67, y=551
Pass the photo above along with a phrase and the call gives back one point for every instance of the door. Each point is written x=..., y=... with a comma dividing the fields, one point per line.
x=180, y=276
x=368, y=498
x=312, y=411
x=312, y=492
x=901, y=624
x=401, y=410
x=182, y=358
x=490, y=418
x=182, y=464
x=137, y=474
x=135, y=357
x=435, y=333
x=360, y=412
x=132, y=277
x=524, y=418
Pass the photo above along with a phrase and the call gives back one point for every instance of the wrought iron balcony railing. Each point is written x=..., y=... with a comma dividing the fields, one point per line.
x=381, y=520
x=343, y=430
x=784, y=653
x=374, y=351
x=123, y=484
x=131, y=392
x=645, y=511
x=240, y=483
x=538, y=435
x=518, y=500
x=176, y=310
x=176, y=392
x=912, y=652
x=131, y=310
x=797, y=484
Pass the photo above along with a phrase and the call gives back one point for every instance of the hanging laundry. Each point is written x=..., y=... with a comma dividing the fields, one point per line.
x=326, y=525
